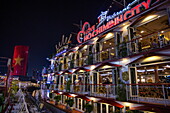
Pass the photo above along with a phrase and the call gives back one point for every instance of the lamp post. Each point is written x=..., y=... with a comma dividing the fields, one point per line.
x=8, y=73
x=8, y=65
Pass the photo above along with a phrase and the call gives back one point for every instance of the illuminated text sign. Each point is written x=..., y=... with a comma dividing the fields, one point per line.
x=88, y=31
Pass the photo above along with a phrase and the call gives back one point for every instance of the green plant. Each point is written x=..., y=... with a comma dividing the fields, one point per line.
x=57, y=98
x=50, y=95
x=129, y=111
x=121, y=92
x=1, y=100
x=68, y=84
x=70, y=102
x=89, y=107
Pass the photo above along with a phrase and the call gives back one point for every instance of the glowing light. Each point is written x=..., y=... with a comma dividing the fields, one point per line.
x=85, y=47
x=93, y=99
x=60, y=93
x=152, y=58
x=142, y=80
x=127, y=104
x=73, y=95
x=125, y=60
x=112, y=54
x=167, y=66
x=106, y=66
x=60, y=53
x=149, y=18
x=109, y=35
x=92, y=67
x=142, y=31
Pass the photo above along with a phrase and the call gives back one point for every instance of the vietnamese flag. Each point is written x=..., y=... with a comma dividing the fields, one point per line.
x=19, y=62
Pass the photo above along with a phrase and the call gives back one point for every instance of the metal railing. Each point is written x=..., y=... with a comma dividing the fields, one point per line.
x=150, y=93
x=134, y=46
x=149, y=42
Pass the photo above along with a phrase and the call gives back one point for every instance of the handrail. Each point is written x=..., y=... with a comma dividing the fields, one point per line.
x=147, y=35
x=118, y=84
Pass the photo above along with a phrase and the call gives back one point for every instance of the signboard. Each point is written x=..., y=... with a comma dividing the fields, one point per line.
x=131, y=10
x=60, y=53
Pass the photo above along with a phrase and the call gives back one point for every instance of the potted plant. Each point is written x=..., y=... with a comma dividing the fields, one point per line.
x=57, y=99
x=89, y=107
x=70, y=103
x=1, y=102
x=51, y=95
x=68, y=85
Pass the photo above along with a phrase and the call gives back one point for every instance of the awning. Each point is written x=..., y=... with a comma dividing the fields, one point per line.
x=66, y=94
x=83, y=97
x=107, y=63
x=94, y=99
x=111, y=102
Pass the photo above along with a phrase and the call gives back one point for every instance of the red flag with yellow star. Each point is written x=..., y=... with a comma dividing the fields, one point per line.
x=20, y=59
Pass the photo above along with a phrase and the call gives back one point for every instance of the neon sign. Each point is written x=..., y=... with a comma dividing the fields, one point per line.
x=58, y=54
x=89, y=32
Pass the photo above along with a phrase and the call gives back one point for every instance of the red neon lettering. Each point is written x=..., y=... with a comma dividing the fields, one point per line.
x=88, y=36
x=95, y=32
x=105, y=27
x=100, y=29
x=137, y=8
x=89, y=32
x=84, y=25
x=126, y=13
x=85, y=38
x=79, y=36
x=119, y=19
x=93, y=27
x=111, y=23
x=146, y=5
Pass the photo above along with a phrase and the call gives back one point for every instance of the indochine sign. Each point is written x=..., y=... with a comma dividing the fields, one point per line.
x=89, y=32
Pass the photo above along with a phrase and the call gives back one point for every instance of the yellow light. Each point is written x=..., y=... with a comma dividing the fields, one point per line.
x=109, y=35
x=60, y=93
x=81, y=71
x=104, y=42
x=142, y=31
x=106, y=66
x=162, y=31
x=125, y=60
x=73, y=95
x=152, y=58
x=149, y=18
x=85, y=47
x=112, y=54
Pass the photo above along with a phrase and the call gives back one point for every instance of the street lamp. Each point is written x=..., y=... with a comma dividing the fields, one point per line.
x=8, y=73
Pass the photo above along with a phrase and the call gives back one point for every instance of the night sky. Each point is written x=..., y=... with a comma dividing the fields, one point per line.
x=40, y=25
